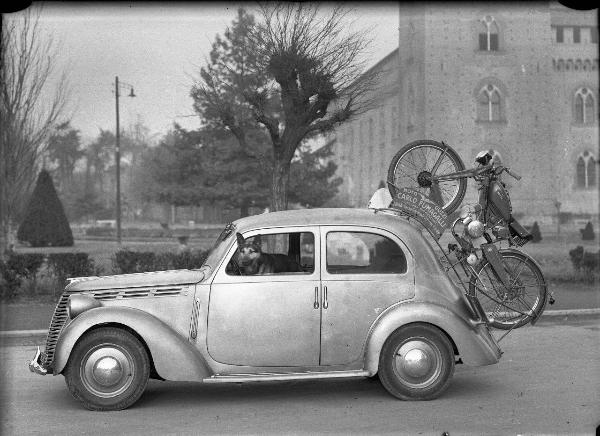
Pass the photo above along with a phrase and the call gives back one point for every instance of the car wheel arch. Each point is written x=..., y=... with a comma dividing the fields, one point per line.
x=153, y=373
x=402, y=316
x=173, y=357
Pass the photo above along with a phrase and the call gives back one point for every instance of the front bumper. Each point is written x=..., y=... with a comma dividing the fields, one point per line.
x=35, y=365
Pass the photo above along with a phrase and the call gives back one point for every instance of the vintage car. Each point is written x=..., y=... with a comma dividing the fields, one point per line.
x=366, y=296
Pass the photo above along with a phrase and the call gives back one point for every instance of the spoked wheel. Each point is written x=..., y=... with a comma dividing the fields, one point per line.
x=416, y=362
x=519, y=303
x=417, y=164
x=108, y=369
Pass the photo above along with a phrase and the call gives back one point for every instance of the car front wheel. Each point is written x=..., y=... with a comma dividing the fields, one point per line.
x=416, y=362
x=108, y=369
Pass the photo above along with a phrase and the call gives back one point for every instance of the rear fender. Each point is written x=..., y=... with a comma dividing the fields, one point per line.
x=469, y=339
x=174, y=357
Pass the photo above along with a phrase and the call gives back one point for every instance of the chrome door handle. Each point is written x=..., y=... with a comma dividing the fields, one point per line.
x=316, y=303
x=325, y=303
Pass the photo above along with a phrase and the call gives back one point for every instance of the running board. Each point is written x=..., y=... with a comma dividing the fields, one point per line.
x=241, y=378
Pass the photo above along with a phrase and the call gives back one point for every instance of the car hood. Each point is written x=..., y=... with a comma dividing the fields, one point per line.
x=137, y=280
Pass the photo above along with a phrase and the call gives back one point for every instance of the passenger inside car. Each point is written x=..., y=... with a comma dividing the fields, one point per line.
x=283, y=253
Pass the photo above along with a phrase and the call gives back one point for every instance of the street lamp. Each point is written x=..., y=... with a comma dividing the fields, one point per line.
x=118, y=152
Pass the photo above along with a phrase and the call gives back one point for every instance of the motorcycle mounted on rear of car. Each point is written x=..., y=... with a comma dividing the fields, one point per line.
x=506, y=284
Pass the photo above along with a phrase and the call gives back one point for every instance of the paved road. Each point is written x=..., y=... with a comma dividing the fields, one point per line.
x=548, y=382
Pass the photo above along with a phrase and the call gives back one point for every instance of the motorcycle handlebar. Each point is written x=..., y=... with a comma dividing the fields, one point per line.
x=513, y=174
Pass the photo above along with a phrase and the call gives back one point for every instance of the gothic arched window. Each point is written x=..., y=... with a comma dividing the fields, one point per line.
x=488, y=35
x=489, y=104
x=585, y=170
x=585, y=106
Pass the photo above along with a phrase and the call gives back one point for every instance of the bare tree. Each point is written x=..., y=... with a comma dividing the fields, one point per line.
x=299, y=74
x=27, y=115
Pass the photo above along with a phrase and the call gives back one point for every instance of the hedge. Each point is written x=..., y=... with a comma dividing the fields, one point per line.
x=585, y=261
x=26, y=266
x=127, y=261
x=20, y=267
x=67, y=265
x=134, y=232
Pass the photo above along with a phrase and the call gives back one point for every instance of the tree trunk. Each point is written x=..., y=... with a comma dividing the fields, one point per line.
x=6, y=240
x=281, y=172
x=3, y=241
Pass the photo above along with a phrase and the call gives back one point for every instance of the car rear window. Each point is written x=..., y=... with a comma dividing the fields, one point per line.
x=363, y=253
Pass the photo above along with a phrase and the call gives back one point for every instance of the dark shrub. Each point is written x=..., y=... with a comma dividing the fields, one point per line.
x=17, y=268
x=10, y=281
x=45, y=222
x=585, y=261
x=587, y=233
x=126, y=261
x=590, y=262
x=65, y=265
x=189, y=259
x=576, y=256
x=535, y=232
x=26, y=264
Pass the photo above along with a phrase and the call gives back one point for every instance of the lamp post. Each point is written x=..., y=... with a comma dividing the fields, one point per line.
x=118, y=153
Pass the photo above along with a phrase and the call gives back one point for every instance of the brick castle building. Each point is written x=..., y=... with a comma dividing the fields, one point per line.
x=518, y=78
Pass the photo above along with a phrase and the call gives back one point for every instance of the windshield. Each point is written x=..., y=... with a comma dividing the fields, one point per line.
x=218, y=249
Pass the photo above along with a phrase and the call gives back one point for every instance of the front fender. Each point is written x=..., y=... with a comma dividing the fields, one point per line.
x=174, y=357
x=474, y=343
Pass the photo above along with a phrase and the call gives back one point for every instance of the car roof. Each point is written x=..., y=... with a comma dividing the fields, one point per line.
x=326, y=216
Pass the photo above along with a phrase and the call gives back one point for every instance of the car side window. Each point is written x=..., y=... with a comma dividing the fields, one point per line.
x=363, y=253
x=274, y=253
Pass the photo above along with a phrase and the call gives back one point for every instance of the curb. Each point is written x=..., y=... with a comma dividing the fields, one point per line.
x=548, y=315
x=22, y=333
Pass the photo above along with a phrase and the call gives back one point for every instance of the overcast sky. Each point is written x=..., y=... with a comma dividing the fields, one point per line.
x=157, y=47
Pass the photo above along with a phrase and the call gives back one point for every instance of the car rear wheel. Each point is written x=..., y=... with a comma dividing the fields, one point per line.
x=416, y=362
x=108, y=369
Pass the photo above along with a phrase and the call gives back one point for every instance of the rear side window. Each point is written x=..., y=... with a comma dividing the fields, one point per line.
x=363, y=252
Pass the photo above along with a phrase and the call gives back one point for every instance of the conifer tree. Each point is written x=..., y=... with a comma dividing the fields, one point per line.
x=45, y=222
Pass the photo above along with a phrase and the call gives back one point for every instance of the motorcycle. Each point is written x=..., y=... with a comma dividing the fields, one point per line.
x=507, y=283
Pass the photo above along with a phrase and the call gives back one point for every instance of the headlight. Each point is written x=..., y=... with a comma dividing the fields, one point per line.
x=475, y=229
x=78, y=304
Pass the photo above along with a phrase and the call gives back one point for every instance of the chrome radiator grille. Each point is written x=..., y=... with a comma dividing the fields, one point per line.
x=59, y=318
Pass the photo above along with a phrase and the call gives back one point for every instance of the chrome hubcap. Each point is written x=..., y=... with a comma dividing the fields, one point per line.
x=107, y=370
x=418, y=363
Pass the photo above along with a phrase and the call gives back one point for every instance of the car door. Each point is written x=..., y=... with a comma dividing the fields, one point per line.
x=363, y=271
x=267, y=320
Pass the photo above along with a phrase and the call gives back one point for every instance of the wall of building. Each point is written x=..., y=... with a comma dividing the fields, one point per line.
x=365, y=145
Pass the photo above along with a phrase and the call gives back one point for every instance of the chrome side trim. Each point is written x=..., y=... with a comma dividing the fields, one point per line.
x=194, y=321
x=113, y=294
x=240, y=378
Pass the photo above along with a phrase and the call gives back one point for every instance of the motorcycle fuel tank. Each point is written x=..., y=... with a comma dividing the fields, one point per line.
x=499, y=200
